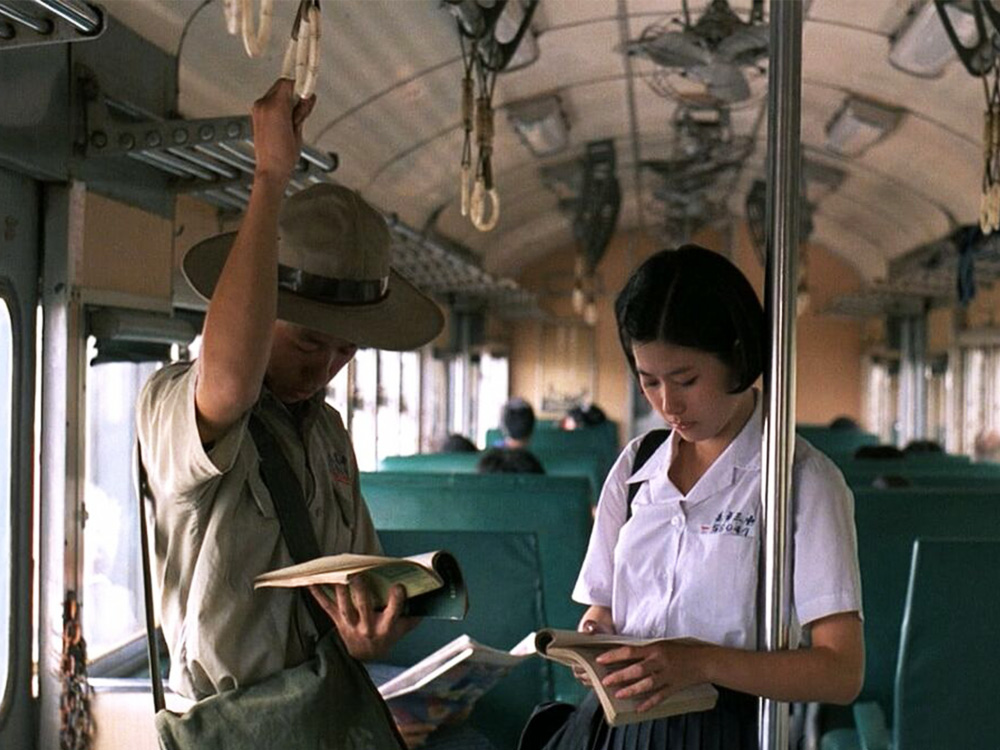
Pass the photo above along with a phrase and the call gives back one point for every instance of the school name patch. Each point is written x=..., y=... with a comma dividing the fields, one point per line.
x=731, y=523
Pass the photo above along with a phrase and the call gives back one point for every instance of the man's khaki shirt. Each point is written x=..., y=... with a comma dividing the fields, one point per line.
x=216, y=529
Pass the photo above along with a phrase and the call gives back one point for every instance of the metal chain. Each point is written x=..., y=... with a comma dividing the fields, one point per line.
x=76, y=724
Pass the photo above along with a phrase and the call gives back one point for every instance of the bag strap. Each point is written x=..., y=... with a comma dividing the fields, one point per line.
x=647, y=447
x=290, y=507
x=152, y=651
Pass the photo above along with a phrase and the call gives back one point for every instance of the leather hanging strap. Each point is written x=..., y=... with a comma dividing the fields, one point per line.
x=152, y=652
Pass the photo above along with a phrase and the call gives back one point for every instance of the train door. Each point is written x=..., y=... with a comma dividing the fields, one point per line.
x=19, y=251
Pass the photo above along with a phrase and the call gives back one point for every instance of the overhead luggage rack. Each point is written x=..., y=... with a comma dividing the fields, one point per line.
x=25, y=23
x=926, y=276
x=211, y=159
x=440, y=267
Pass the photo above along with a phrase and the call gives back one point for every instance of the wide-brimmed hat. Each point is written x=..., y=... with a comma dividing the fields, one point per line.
x=333, y=272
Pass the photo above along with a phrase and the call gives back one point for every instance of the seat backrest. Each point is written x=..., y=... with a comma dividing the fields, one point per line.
x=948, y=676
x=503, y=574
x=888, y=522
x=601, y=439
x=835, y=441
x=556, y=509
x=557, y=463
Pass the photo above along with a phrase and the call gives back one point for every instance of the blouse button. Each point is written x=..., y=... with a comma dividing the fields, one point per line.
x=675, y=521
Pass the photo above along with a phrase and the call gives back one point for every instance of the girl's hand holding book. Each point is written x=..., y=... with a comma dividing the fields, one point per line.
x=654, y=671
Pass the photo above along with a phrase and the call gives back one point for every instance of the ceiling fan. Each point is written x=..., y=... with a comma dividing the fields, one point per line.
x=716, y=52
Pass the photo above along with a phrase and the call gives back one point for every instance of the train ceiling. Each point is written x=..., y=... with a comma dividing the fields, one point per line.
x=688, y=147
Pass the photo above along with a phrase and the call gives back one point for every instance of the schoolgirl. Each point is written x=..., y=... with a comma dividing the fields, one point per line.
x=680, y=557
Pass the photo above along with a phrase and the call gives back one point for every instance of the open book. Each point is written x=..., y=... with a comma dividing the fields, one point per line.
x=444, y=687
x=433, y=580
x=580, y=649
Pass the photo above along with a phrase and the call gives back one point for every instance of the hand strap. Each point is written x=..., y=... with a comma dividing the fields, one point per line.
x=152, y=652
x=290, y=507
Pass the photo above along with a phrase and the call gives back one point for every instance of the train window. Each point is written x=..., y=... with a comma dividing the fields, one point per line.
x=112, y=589
x=881, y=398
x=493, y=387
x=975, y=383
x=389, y=384
x=364, y=408
x=433, y=401
x=6, y=399
x=458, y=392
x=409, y=402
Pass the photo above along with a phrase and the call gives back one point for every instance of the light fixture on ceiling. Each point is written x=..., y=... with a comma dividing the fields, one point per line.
x=858, y=124
x=921, y=46
x=508, y=24
x=541, y=123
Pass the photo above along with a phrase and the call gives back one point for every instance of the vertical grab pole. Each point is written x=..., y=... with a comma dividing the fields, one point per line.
x=783, y=195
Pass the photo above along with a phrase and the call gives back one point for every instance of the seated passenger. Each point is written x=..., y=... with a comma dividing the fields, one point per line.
x=456, y=443
x=509, y=461
x=517, y=422
x=581, y=417
x=844, y=423
x=878, y=452
x=923, y=446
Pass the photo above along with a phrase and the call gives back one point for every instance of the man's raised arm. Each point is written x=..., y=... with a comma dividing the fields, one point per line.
x=236, y=343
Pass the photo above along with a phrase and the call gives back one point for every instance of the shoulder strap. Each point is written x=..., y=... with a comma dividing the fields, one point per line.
x=290, y=507
x=647, y=447
x=152, y=652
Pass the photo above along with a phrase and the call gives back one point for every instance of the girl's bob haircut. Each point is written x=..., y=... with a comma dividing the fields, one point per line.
x=696, y=298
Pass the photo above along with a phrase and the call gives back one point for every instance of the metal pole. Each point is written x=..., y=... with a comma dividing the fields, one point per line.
x=783, y=196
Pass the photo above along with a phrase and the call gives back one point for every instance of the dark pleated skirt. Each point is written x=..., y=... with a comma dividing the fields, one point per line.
x=731, y=725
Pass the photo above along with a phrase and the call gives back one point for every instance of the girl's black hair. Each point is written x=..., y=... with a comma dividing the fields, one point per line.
x=696, y=298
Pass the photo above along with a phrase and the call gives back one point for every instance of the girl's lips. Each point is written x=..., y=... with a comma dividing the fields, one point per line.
x=682, y=426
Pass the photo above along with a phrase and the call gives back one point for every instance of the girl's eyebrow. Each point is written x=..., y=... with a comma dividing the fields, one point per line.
x=672, y=373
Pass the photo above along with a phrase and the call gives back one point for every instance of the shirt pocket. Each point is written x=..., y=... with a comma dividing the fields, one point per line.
x=724, y=586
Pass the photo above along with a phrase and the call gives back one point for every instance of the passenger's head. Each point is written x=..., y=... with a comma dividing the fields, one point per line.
x=456, y=443
x=875, y=452
x=509, y=461
x=692, y=330
x=843, y=423
x=336, y=290
x=580, y=417
x=517, y=421
x=923, y=446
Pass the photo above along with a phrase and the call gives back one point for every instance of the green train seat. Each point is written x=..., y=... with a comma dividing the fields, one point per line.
x=556, y=509
x=557, y=463
x=888, y=523
x=503, y=574
x=948, y=671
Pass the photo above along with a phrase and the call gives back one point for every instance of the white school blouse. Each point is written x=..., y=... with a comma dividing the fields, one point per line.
x=687, y=565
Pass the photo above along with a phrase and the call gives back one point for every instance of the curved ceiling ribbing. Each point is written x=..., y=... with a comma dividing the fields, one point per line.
x=389, y=105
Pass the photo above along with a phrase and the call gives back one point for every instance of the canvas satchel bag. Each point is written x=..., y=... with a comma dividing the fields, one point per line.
x=327, y=703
